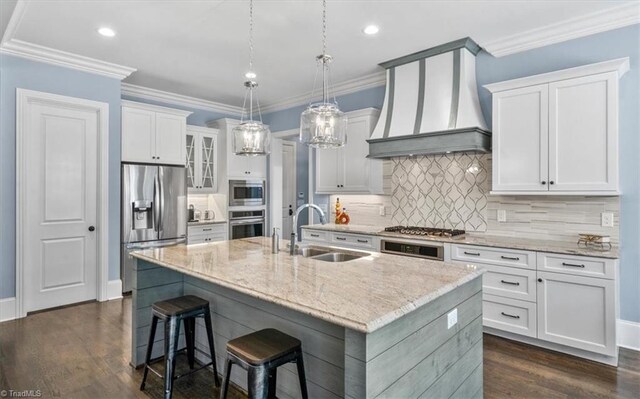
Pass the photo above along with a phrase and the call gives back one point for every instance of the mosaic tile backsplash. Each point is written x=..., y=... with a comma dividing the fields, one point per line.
x=448, y=191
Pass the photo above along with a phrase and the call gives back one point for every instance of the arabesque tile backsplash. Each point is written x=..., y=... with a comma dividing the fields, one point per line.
x=452, y=191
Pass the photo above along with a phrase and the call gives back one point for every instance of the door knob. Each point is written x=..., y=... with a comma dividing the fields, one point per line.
x=91, y=228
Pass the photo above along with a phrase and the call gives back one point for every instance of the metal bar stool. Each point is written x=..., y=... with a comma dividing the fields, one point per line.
x=261, y=353
x=183, y=309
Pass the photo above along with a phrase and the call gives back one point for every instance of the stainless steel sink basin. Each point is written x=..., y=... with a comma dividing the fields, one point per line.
x=328, y=254
x=338, y=257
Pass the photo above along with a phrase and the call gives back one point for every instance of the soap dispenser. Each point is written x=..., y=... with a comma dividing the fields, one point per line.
x=275, y=241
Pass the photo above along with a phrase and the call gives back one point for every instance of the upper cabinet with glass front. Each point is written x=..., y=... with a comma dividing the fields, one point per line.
x=557, y=133
x=202, y=159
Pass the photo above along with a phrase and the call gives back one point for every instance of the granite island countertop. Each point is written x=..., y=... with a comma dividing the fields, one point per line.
x=363, y=294
x=481, y=239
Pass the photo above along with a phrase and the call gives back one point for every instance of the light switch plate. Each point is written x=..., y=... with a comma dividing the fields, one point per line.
x=502, y=215
x=452, y=318
x=606, y=219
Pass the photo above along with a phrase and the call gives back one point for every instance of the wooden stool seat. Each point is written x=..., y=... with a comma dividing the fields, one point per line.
x=180, y=305
x=263, y=346
x=261, y=353
x=182, y=310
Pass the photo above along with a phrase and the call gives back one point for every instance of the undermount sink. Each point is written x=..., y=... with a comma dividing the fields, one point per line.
x=330, y=254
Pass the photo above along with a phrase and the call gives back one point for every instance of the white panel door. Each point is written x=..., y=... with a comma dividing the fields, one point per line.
x=577, y=311
x=60, y=206
x=138, y=135
x=583, y=142
x=520, y=139
x=355, y=164
x=171, y=137
x=257, y=167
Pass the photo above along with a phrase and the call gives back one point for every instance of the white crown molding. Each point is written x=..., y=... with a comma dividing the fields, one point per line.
x=14, y=21
x=48, y=55
x=340, y=89
x=202, y=129
x=154, y=108
x=585, y=25
x=166, y=97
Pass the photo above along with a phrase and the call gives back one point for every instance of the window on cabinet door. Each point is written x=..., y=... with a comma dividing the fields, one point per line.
x=207, y=163
x=191, y=162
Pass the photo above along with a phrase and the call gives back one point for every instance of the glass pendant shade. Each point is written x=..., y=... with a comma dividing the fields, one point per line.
x=323, y=125
x=251, y=138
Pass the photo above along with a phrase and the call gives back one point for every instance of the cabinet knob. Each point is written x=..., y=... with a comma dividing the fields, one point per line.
x=92, y=228
x=544, y=182
x=551, y=182
x=539, y=280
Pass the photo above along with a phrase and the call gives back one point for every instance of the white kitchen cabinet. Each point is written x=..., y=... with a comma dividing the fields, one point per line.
x=557, y=133
x=577, y=311
x=339, y=239
x=239, y=167
x=347, y=170
x=202, y=159
x=204, y=233
x=153, y=134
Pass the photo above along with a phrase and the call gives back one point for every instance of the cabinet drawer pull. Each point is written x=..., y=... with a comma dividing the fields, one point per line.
x=509, y=282
x=571, y=264
x=510, y=315
x=341, y=238
x=315, y=235
x=510, y=257
x=207, y=229
x=472, y=253
x=363, y=241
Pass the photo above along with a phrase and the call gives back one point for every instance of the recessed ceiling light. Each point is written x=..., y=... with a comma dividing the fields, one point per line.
x=250, y=75
x=106, y=32
x=371, y=29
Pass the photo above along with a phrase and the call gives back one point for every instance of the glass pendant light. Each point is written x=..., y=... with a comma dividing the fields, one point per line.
x=323, y=125
x=251, y=138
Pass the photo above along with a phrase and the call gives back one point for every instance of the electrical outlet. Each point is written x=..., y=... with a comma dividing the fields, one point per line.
x=502, y=215
x=452, y=318
x=382, y=210
x=606, y=219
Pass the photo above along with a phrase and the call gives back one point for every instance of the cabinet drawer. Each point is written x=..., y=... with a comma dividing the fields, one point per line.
x=207, y=229
x=511, y=315
x=509, y=282
x=577, y=265
x=200, y=239
x=353, y=240
x=494, y=256
x=315, y=235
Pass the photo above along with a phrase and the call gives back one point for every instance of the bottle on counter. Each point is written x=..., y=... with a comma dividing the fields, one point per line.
x=338, y=207
x=344, y=217
x=275, y=241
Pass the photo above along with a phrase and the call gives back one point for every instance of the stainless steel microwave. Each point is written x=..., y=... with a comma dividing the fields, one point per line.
x=246, y=192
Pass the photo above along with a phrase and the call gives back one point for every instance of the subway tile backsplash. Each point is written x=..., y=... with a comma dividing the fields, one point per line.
x=452, y=191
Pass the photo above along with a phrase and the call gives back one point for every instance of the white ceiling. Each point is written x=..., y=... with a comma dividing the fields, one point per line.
x=199, y=47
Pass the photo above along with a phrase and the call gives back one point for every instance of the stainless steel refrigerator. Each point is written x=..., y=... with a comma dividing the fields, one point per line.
x=154, y=211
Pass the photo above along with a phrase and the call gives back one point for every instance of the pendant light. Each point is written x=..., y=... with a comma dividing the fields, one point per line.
x=323, y=125
x=251, y=138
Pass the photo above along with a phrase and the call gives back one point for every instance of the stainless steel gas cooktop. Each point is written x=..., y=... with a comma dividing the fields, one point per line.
x=424, y=231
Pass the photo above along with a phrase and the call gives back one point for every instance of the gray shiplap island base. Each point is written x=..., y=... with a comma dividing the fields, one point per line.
x=371, y=327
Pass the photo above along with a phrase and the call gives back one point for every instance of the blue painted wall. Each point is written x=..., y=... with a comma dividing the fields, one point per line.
x=624, y=42
x=20, y=73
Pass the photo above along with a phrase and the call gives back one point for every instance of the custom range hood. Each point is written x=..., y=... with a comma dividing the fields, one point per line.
x=431, y=104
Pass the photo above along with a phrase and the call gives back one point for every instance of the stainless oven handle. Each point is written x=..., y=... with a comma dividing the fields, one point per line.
x=245, y=221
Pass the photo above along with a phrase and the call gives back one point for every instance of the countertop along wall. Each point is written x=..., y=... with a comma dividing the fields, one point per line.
x=18, y=72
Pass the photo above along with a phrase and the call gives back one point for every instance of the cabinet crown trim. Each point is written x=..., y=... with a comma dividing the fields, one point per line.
x=201, y=129
x=619, y=65
x=155, y=108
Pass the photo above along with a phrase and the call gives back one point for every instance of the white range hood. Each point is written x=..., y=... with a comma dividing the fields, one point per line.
x=431, y=104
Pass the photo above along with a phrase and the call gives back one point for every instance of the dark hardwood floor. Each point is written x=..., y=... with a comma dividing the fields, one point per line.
x=83, y=352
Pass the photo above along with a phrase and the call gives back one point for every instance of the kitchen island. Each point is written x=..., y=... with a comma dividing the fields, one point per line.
x=377, y=326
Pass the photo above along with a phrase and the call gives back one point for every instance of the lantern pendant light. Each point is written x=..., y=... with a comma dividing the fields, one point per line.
x=251, y=138
x=323, y=125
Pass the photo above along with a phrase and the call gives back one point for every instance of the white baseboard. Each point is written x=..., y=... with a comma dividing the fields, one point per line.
x=629, y=334
x=114, y=289
x=7, y=309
